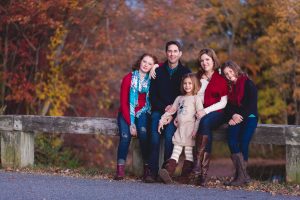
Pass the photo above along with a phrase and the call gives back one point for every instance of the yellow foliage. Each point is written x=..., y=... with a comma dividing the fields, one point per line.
x=53, y=87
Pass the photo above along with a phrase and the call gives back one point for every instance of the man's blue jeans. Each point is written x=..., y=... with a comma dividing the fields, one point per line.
x=142, y=123
x=239, y=136
x=167, y=133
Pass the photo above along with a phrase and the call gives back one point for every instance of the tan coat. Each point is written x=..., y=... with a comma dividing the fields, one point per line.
x=186, y=108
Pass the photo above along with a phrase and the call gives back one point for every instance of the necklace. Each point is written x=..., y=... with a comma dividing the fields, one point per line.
x=208, y=78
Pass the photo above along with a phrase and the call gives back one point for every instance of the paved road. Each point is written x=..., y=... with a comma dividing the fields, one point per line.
x=43, y=187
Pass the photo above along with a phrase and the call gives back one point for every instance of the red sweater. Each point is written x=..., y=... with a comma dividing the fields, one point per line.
x=124, y=98
x=216, y=88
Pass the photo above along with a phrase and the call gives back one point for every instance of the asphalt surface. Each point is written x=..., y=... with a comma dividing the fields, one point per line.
x=44, y=187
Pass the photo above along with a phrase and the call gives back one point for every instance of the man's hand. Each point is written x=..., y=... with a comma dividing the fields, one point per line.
x=160, y=127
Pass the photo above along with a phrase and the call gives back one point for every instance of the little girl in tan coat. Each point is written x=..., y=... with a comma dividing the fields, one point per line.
x=186, y=107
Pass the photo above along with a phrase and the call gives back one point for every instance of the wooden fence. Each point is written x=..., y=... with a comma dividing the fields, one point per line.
x=17, y=138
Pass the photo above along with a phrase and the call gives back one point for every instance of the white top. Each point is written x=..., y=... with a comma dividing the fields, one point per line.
x=217, y=106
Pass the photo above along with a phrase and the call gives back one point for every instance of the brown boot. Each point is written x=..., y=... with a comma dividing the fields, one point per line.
x=205, y=166
x=146, y=171
x=248, y=179
x=241, y=173
x=167, y=172
x=120, y=173
x=201, y=142
x=235, y=175
x=187, y=167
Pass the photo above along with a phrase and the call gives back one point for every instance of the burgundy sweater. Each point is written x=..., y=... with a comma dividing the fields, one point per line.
x=216, y=88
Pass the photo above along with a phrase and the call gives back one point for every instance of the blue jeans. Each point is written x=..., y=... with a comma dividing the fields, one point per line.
x=239, y=136
x=167, y=133
x=125, y=137
x=209, y=122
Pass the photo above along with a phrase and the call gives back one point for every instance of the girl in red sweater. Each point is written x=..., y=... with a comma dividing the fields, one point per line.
x=134, y=111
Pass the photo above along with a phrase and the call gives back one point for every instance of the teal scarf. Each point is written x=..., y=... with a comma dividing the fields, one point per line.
x=138, y=87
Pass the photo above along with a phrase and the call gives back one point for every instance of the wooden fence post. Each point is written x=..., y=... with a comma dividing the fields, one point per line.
x=292, y=154
x=17, y=149
x=17, y=146
x=137, y=160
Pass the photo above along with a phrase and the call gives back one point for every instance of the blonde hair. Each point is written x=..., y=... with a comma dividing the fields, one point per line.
x=195, y=81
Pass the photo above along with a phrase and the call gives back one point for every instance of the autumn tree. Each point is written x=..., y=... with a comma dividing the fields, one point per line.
x=279, y=52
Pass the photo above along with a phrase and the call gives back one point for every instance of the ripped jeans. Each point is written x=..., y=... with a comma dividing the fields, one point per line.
x=125, y=137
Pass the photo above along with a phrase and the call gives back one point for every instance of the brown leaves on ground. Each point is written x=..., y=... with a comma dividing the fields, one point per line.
x=214, y=182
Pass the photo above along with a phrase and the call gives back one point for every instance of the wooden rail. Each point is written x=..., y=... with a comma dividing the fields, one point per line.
x=17, y=138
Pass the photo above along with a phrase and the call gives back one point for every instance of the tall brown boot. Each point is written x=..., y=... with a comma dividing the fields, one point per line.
x=167, y=172
x=120, y=173
x=201, y=142
x=235, y=175
x=241, y=173
x=187, y=167
x=205, y=166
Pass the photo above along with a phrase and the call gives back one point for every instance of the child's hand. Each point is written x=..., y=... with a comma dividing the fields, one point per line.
x=194, y=134
x=160, y=127
x=133, y=131
x=200, y=114
x=152, y=71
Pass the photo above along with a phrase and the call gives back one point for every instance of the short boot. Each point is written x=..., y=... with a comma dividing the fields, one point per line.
x=120, y=173
x=187, y=167
x=167, y=172
x=241, y=173
x=201, y=143
x=146, y=171
x=205, y=166
x=235, y=175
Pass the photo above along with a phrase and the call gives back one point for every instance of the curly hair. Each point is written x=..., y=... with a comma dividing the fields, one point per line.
x=136, y=65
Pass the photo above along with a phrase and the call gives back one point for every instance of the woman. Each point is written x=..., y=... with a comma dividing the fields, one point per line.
x=134, y=111
x=241, y=112
x=214, y=96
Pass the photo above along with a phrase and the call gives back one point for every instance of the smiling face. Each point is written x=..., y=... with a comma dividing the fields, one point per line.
x=173, y=54
x=188, y=86
x=146, y=64
x=207, y=63
x=230, y=74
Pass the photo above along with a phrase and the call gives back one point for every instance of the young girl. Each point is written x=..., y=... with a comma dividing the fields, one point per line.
x=186, y=106
x=241, y=112
x=134, y=111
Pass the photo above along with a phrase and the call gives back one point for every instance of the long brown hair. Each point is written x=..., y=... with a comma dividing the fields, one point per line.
x=211, y=53
x=235, y=67
x=137, y=63
x=195, y=81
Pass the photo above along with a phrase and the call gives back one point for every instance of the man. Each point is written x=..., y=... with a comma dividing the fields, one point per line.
x=163, y=91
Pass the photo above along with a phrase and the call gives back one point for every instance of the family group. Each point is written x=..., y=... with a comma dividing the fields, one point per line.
x=168, y=100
